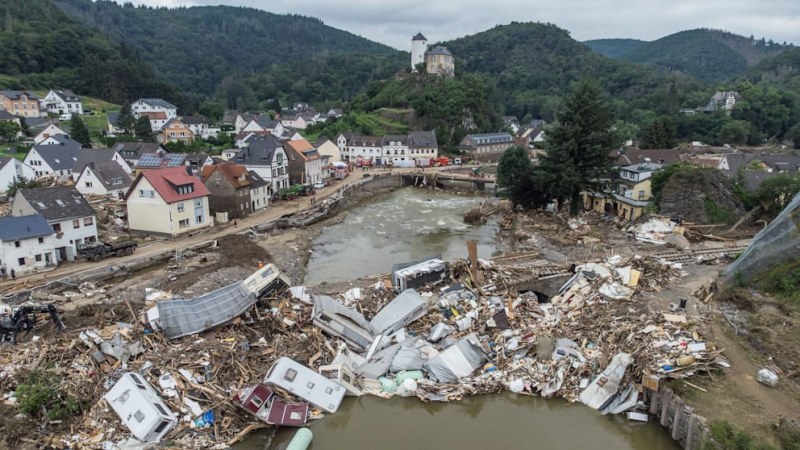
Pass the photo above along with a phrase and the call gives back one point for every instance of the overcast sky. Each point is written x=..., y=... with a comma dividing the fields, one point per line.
x=393, y=22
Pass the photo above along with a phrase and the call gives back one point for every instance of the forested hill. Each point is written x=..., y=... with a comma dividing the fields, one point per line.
x=613, y=48
x=197, y=47
x=533, y=65
x=782, y=70
x=710, y=55
x=40, y=47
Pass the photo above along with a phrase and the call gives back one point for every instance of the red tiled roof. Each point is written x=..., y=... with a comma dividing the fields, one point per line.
x=167, y=181
x=303, y=147
x=155, y=115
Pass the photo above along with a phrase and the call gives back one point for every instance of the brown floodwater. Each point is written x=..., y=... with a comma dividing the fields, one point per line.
x=504, y=421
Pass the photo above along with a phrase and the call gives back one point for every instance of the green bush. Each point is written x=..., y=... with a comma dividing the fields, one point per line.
x=39, y=395
x=729, y=437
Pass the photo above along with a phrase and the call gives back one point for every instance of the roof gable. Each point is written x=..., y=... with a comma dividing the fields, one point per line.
x=57, y=203
x=173, y=184
x=14, y=228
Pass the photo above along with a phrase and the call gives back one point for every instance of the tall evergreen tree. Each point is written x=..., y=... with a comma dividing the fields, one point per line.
x=79, y=131
x=513, y=174
x=143, y=129
x=126, y=120
x=659, y=134
x=579, y=145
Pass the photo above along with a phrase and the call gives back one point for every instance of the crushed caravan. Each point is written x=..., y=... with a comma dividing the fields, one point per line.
x=306, y=384
x=140, y=408
x=263, y=403
x=419, y=273
x=186, y=316
x=334, y=318
x=404, y=309
x=604, y=389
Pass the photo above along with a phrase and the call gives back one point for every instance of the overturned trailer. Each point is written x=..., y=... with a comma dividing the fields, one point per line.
x=336, y=319
x=418, y=274
x=180, y=317
x=263, y=403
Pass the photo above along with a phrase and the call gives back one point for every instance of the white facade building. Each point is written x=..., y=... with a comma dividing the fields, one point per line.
x=62, y=101
x=26, y=244
x=66, y=211
x=11, y=169
x=419, y=45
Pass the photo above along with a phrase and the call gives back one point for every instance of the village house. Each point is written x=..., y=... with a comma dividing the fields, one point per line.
x=366, y=150
x=260, y=191
x=20, y=103
x=131, y=152
x=394, y=148
x=266, y=156
x=230, y=188
x=157, y=110
x=487, y=146
x=176, y=131
x=630, y=156
x=49, y=131
x=12, y=169
x=114, y=127
x=243, y=138
x=168, y=202
x=97, y=155
x=760, y=163
x=328, y=151
x=423, y=144
x=305, y=164
x=66, y=211
x=263, y=123
x=723, y=101
x=294, y=121
x=26, y=244
x=630, y=195
x=105, y=178
x=6, y=116
x=62, y=101
x=55, y=159
x=200, y=127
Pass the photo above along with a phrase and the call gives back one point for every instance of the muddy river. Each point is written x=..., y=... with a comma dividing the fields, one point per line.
x=410, y=224
x=404, y=225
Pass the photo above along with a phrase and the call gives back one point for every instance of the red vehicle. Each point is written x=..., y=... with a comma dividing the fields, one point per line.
x=440, y=161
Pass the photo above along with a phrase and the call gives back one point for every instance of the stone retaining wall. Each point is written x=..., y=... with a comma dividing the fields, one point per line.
x=687, y=428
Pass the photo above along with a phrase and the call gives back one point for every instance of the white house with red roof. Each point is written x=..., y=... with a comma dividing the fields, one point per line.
x=168, y=202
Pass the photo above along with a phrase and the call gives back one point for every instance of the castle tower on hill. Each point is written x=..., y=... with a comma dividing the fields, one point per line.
x=419, y=45
x=438, y=60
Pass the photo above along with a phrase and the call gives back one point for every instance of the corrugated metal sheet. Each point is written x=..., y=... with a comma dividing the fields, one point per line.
x=183, y=317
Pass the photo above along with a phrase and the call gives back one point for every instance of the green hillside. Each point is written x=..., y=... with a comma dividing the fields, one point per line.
x=40, y=47
x=613, y=48
x=197, y=48
x=782, y=70
x=710, y=55
x=533, y=65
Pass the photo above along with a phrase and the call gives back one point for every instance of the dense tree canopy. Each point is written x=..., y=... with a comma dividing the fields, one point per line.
x=79, y=132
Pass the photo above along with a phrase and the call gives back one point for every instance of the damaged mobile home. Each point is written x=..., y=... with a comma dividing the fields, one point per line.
x=140, y=408
x=180, y=317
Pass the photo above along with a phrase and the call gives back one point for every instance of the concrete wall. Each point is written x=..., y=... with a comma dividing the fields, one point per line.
x=685, y=427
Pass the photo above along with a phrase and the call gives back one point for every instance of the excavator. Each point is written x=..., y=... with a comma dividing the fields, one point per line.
x=23, y=318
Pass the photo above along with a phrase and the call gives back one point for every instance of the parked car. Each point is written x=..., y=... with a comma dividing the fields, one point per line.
x=65, y=116
x=319, y=185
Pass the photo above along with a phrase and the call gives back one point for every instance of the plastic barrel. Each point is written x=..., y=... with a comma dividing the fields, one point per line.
x=301, y=439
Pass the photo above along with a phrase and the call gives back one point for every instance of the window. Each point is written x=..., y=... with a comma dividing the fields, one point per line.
x=161, y=426
x=199, y=219
x=88, y=184
x=641, y=195
x=38, y=258
x=279, y=158
x=257, y=402
x=183, y=223
x=138, y=415
x=41, y=240
x=310, y=385
x=290, y=375
x=198, y=203
x=329, y=390
x=21, y=261
x=181, y=207
x=17, y=244
x=57, y=227
x=76, y=224
x=87, y=221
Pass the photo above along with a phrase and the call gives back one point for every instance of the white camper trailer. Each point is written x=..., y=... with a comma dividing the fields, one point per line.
x=306, y=384
x=140, y=408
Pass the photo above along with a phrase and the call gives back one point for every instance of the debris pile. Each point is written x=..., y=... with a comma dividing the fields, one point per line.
x=284, y=356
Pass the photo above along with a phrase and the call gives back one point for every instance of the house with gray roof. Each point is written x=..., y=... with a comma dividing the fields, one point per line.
x=486, y=146
x=27, y=244
x=97, y=155
x=56, y=159
x=131, y=152
x=66, y=211
x=104, y=178
x=159, y=111
x=266, y=156
x=760, y=163
x=62, y=101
